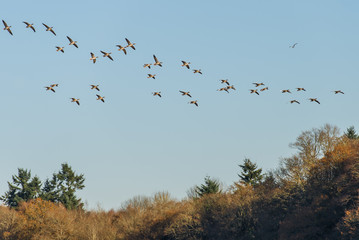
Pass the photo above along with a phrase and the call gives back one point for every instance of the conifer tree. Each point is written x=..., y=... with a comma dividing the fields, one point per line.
x=250, y=174
x=210, y=186
x=351, y=133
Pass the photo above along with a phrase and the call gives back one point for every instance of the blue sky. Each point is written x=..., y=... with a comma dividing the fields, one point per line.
x=137, y=144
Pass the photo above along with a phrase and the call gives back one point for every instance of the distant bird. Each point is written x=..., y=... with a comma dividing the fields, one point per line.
x=225, y=81
x=263, y=89
x=185, y=64
x=54, y=85
x=7, y=27
x=293, y=46
x=72, y=42
x=120, y=48
x=194, y=102
x=338, y=91
x=314, y=100
x=254, y=91
x=60, y=49
x=157, y=62
x=300, y=89
x=95, y=87
x=157, y=94
x=231, y=87
x=49, y=29
x=223, y=89
x=286, y=91
x=100, y=98
x=129, y=44
x=294, y=101
x=151, y=76
x=76, y=100
x=258, y=84
x=28, y=25
x=50, y=88
x=148, y=65
x=197, y=71
x=93, y=58
x=185, y=93
x=105, y=54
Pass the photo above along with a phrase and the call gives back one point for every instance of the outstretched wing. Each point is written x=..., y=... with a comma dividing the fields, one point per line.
x=4, y=23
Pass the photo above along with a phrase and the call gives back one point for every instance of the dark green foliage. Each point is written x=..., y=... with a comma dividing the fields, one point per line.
x=210, y=186
x=351, y=133
x=250, y=174
x=22, y=188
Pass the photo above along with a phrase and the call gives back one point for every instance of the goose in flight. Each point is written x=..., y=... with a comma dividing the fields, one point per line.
x=314, y=100
x=129, y=44
x=77, y=100
x=263, y=89
x=254, y=91
x=54, y=85
x=157, y=94
x=197, y=71
x=223, y=89
x=294, y=101
x=28, y=25
x=300, y=89
x=60, y=49
x=72, y=42
x=194, y=102
x=100, y=98
x=157, y=62
x=185, y=64
x=49, y=29
x=338, y=91
x=93, y=58
x=231, y=87
x=258, y=84
x=105, y=54
x=95, y=87
x=7, y=28
x=225, y=81
x=151, y=76
x=120, y=48
x=286, y=91
x=50, y=88
x=293, y=46
x=185, y=93
x=148, y=65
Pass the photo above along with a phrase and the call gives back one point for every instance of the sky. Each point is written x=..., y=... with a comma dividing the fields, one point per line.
x=139, y=144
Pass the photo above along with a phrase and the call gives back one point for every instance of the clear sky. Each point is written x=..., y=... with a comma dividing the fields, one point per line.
x=138, y=144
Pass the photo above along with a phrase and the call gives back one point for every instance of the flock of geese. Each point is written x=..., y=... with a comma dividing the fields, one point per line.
x=156, y=62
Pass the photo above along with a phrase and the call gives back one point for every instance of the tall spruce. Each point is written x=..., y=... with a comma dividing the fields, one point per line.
x=351, y=133
x=250, y=173
x=210, y=186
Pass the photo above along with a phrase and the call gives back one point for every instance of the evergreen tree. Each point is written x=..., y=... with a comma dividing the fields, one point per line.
x=210, y=186
x=22, y=188
x=250, y=174
x=351, y=133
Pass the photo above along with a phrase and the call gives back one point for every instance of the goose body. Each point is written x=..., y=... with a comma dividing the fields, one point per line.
x=129, y=44
x=93, y=58
x=100, y=98
x=6, y=27
x=105, y=54
x=151, y=76
x=50, y=88
x=28, y=25
x=254, y=91
x=72, y=42
x=195, y=102
x=157, y=94
x=148, y=65
x=120, y=48
x=76, y=100
x=60, y=49
x=225, y=81
x=157, y=63
x=49, y=29
x=95, y=87
x=314, y=100
x=197, y=71
x=185, y=64
x=185, y=93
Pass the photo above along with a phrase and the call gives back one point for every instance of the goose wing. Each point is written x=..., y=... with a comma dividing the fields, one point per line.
x=4, y=23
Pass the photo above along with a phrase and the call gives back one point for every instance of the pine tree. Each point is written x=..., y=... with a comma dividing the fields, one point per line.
x=250, y=174
x=351, y=133
x=210, y=186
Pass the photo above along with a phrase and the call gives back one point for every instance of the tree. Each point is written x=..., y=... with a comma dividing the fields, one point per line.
x=351, y=133
x=250, y=174
x=23, y=188
x=210, y=186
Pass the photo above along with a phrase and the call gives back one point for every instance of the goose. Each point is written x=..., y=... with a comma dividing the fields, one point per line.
x=223, y=89
x=157, y=94
x=54, y=85
x=263, y=89
x=185, y=93
x=148, y=65
x=254, y=91
x=231, y=87
x=95, y=87
x=76, y=100
x=258, y=84
x=105, y=54
x=293, y=46
x=197, y=71
x=7, y=27
x=49, y=29
x=338, y=91
x=151, y=76
x=225, y=81
x=294, y=101
x=129, y=44
x=49, y=88
x=28, y=25
x=157, y=62
x=60, y=49
x=185, y=64
x=314, y=100
x=120, y=48
x=100, y=98
x=93, y=58
x=286, y=91
x=300, y=89
x=72, y=42
x=194, y=102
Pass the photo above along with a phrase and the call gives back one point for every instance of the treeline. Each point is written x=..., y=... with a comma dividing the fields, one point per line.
x=311, y=195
